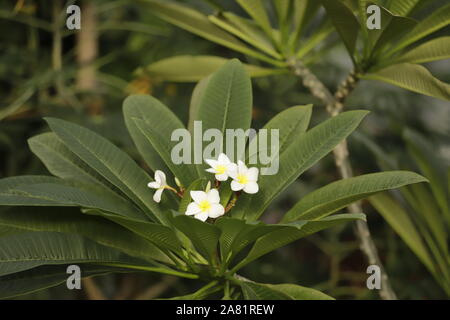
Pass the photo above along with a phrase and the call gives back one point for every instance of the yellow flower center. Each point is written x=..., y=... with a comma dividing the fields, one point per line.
x=221, y=169
x=204, y=205
x=242, y=179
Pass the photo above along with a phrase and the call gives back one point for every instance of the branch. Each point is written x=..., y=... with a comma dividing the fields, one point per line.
x=334, y=105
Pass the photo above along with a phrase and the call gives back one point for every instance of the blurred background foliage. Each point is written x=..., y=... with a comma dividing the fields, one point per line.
x=84, y=76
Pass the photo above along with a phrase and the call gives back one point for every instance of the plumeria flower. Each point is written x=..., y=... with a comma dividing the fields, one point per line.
x=222, y=167
x=159, y=184
x=206, y=205
x=245, y=178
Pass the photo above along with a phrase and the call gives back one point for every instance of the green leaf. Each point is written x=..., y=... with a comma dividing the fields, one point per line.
x=196, y=98
x=197, y=23
x=156, y=126
x=29, y=250
x=345, y=22
x=403, y=7
x=109, y=161
x=412, y=77
x=399, y=220
x=256, y=10
x=246, y=30
x=437, y=20
x=260, y=291
x=204, y=236
x=62, y=193
x=236, y=234
x=322, y=33
x=299, y=156
x=291, y=125
x=435, y=49
x=45, y=277
x=284, y=234
x=137, y=107
x=303, y=12
x=432, y=168
x=97, y=229
x=62, y=162
x=396, y=28
x=337, y=195
x=226, y=102
x=16, y=104
x=195, y=68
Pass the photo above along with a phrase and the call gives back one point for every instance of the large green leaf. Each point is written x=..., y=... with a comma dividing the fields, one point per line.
x=262, y=291
x=291, y=124
x=196, y=98
x=197, y=23
x=195, y=68
x=137, y=106
x=62, y=193
x=29, y=250
x=435, y=49
x=95, y=228
x=399, y=220
x=345, y=22
x=292, y=232
x=412, y=77
x=62, y=162
x=298, y=157
x=109, y=161
x=226, y=102
x=156, y=125
x=392, y=28
x=435, y=21
x=337, y=195
x=45, y=277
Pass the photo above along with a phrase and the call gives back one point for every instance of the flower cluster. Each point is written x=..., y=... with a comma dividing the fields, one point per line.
x=206, y=204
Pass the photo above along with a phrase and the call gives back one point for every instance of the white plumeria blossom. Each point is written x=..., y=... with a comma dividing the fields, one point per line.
x=159, y=184
x=245, y=178
x=206, y=205
x=222, y=167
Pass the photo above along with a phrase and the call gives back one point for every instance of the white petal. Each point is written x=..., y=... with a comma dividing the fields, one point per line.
x=157, y=195
x=154, y=185
x=213, y=196
x=242, y=168
x=212, y=170
x=160, y=177
x=216, y=211
x=192, y=208
x=231, y=167
x=211, y=162
x=223, y=159
x=252, y=174
x=236, y=186
x=198, y=196
x=202, y=216
x=222, y=177
x=251, y=187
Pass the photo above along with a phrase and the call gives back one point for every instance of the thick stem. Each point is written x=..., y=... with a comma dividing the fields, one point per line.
x=335, y=104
